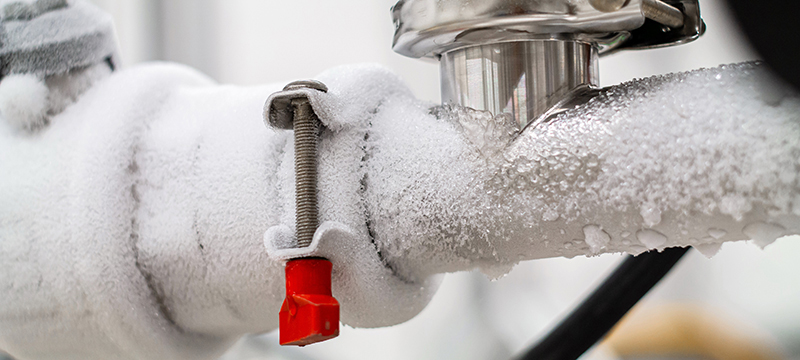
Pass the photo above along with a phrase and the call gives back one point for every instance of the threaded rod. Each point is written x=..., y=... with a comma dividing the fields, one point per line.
x=306, y=126
x=663, y=13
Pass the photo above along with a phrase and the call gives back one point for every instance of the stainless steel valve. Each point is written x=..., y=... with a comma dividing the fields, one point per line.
x=525, y=57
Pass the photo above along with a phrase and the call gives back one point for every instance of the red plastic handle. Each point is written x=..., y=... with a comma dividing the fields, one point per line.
x=309, y=313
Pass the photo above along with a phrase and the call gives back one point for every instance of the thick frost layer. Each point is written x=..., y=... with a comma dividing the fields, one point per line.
x=683, y=159
x=705, y=141
x=132, y=223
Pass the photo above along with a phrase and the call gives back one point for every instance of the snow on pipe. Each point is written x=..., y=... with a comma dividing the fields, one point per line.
x=133, y=225
x=695, y=158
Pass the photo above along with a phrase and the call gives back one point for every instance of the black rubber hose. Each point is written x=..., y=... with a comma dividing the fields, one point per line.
x=593, y=318
x=772, y=28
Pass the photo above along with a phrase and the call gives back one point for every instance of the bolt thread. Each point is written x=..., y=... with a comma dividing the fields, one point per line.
x=663, y=13
x=306, y=126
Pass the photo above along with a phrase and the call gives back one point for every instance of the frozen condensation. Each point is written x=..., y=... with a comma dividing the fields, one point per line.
x=674, y=142
x=708, y=250
x=763, y=233
x=487, y=134
x=23, y=101
x=665, y=158
x=596, y=238
x=149, y=197
x=716, y=233
x=651, y=214
x=651, y=238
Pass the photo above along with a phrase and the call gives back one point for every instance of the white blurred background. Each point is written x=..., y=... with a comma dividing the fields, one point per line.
x=259, y=41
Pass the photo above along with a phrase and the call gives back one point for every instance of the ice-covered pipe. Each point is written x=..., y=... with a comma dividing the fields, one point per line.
x=133, y=225
x=694, y=159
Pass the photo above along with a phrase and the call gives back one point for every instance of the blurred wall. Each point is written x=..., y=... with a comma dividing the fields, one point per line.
x=259, y=41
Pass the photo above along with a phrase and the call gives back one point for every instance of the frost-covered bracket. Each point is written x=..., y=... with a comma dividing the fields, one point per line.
x=281, y=243
x=373, y=294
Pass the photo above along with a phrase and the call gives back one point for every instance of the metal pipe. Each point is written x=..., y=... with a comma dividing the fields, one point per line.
x=662, y=13
x=521, y=78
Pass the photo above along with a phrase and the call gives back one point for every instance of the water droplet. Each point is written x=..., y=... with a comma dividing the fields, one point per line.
x=651, y=238
x=595, y=237
x=651, y=214
x=496, y=272
x=625, y=234
x=763, y=233
x=716, y=233
x=708, y=250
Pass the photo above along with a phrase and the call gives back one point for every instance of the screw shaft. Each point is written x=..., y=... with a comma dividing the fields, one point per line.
x=306, y=127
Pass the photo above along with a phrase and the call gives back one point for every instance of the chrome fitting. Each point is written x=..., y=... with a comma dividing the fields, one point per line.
x=523, y=78
x=525, y=57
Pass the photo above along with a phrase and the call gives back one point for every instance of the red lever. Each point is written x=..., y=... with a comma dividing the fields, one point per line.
x=309, y=313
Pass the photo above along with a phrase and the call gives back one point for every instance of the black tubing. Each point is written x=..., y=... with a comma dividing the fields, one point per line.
x=593, y=318
x=772, y=29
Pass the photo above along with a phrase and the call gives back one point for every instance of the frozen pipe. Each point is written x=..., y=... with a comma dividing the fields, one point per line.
x=695, y=158
x=134, y=225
